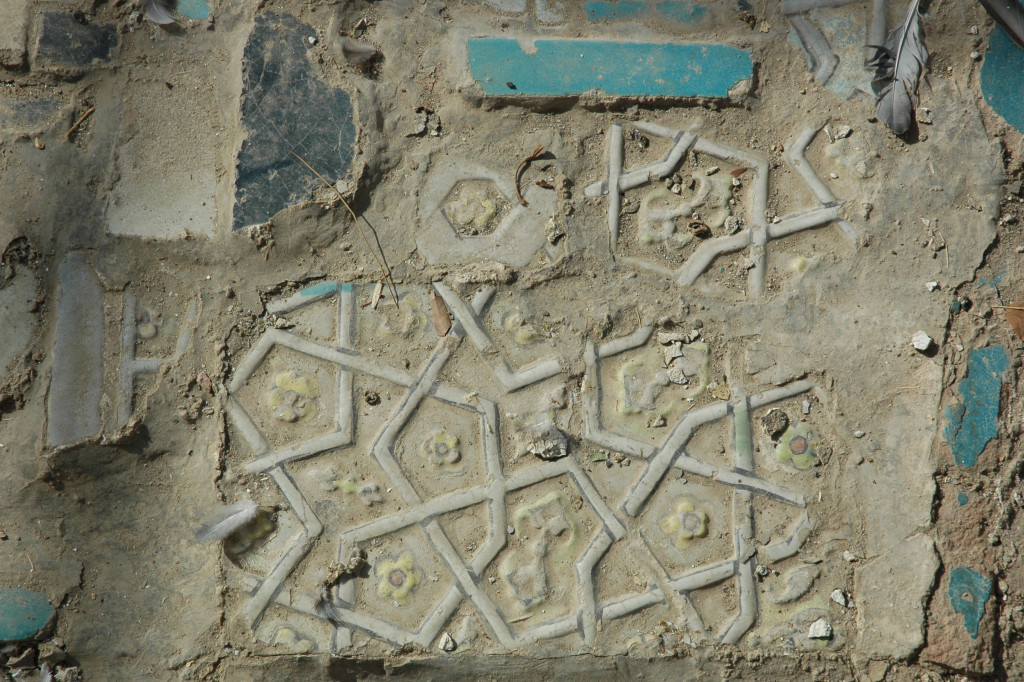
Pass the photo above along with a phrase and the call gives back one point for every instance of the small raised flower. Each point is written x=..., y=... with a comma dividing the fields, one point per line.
x=797, y=446
x=684, y=524
x=398, y=578
x=442, y=449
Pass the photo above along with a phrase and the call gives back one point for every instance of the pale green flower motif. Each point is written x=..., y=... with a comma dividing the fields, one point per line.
x=684, y=524
x=797, y=446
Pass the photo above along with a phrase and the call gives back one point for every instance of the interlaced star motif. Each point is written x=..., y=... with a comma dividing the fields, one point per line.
x=557, y=514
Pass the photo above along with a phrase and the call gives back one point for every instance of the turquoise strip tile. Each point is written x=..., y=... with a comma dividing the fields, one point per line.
x=572, y=67
x=679, y=11
x=321, y=289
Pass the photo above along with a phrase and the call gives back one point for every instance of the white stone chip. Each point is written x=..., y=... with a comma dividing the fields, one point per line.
x=447, y=643
x=849, y=556
x=922, y=341
x=839, y=597
x=820, y=629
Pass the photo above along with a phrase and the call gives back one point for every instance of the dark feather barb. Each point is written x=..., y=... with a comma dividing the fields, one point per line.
x=356, y=51
x=326, y=609
x=898, y=65
x=1010, y=15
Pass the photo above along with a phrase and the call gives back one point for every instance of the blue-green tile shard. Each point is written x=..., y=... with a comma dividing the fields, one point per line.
x=679, y=11
x=968, y=592
x=23, y=613
x=194, y=9
x=974, y=421
x=555, y=68
x=1002, y=78
x=286, y=107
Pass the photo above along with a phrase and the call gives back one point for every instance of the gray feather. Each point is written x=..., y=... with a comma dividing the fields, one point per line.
x=226, y=520
x=898, y=65
x=326, y=609
x=1010, y=15
x=159, y=11
x=356, y=52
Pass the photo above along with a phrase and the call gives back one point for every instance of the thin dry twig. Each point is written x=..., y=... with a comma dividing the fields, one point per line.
x=378, y=291
x=67, y=135
x=381, y=261
x=522, y=166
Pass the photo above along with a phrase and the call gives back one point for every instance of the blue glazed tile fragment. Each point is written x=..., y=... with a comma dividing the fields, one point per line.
x=27, y=112
x=23, y=613
x=973, y=422
x=320, y=289
x=286, y=107
x=194, y=9
x=571, y=67
x=1002, y=78
x=64, y=41
x=968, y=592
x=679, y=11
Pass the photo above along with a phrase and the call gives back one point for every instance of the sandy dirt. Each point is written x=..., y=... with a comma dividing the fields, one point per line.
x=617, y=462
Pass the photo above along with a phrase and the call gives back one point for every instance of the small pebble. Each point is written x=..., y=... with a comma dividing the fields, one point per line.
x=447, y=643
x=839, y=597
x=973, y=30
x=311, y=40
x=511, y=530
x=834, y=176
x=975, y=55
x=843, y=131
x=849, y=556
x=932, y=286
x=712, y=170
x=806, y=407
x=858, y=434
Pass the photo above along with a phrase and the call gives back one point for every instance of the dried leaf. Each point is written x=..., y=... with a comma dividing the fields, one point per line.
x=519, y=170
x=439, y=314
x=1015, y=316
x=159, y=11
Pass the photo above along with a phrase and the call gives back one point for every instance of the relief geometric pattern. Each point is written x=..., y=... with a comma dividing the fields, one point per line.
x=754, y=237
x=416, y=513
